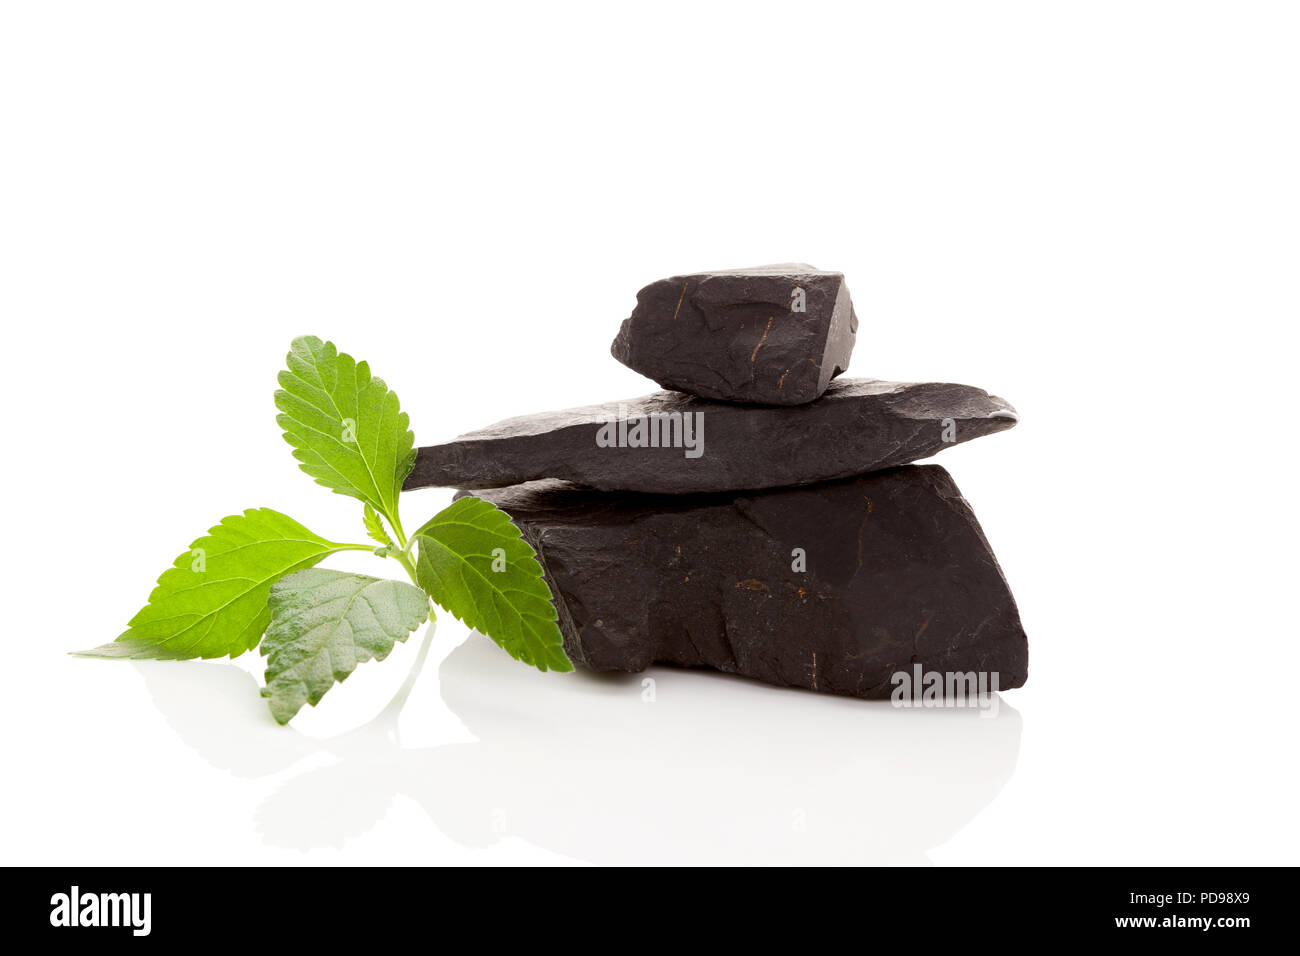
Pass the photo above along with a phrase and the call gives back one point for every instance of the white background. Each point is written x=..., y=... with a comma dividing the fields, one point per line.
x=1090, y=209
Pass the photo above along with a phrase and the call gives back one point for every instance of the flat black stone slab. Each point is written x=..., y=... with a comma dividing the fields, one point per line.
x=858, y=426
x=773, y=334
x=897, y=573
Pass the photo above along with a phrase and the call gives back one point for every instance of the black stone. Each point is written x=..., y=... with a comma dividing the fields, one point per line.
x=859, y=425
x=774, y=334
x=898, y=574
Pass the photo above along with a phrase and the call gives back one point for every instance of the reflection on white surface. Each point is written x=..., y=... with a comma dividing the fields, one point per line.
x=715, y=769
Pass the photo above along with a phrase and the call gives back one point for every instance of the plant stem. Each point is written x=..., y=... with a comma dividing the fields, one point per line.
x=404, y=560
x=396, y=523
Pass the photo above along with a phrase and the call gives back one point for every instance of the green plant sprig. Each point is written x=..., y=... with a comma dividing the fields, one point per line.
x=252, y=579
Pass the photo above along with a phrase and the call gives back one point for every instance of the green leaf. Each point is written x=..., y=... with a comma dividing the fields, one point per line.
x=375, y=527
x=324, y=623
x=501, y=594
x=346, y=428
x=212, y=601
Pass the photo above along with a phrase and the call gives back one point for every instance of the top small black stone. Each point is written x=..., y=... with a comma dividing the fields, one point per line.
x=773, y=335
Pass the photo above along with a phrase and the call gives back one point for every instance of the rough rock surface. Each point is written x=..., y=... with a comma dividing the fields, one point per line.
x=773, y=334
x=897, y=573
x=859, y=425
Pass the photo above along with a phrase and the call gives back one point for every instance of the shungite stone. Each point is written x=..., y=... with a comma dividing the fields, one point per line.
x=835, y=587
x=774, y=334
x=858, y=426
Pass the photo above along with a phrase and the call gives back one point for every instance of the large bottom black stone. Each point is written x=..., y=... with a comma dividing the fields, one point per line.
x=834, y=587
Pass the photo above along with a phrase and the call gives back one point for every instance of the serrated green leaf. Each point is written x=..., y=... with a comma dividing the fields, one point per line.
x=324, y=623
x=473, y=562
x=375, y=526
x=212, y=601
x=347, y=429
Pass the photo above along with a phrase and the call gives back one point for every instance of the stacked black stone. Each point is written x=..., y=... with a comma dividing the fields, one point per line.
x=760, y=517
